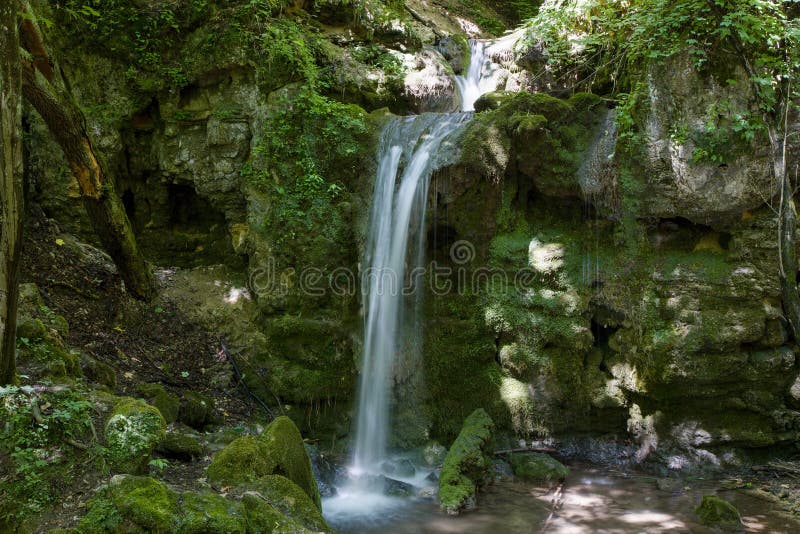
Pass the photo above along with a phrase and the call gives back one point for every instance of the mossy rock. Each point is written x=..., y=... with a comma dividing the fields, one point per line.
x=716, y=512
x=245, y=459
x=286, y=447
x=491, y=101
x=180, y=445
x=263, y=518
x=209, y=513
x=133, y=504
x=279, y=449
x=287, y=497
x=31, y=329
x=167, y=403
x=99, y=372
x=468, y=464
x=132, y=432
x=196, y=409
x=537, y=467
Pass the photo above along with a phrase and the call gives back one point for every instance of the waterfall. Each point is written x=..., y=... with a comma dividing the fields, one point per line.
x=470, y=85
x=409, y=151
x=411, y=148
x=485, y=73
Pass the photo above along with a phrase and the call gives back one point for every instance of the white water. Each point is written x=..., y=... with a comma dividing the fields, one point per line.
x=484, y=73
x=410, y=150
x=398, y=216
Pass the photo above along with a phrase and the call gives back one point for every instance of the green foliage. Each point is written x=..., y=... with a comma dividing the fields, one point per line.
x=35, y=423
x=589, y=37
x=311, y=146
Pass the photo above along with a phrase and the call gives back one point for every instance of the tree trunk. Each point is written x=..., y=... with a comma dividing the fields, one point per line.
x=106, y=211
x=11, y=187
x=787, y=228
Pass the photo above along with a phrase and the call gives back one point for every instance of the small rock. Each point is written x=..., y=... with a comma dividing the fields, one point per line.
x=538, y=467
x=717, y=512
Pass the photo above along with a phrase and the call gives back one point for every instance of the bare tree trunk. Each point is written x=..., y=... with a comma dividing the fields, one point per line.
x=787, y=228
x=11, y=187
x=67, y=124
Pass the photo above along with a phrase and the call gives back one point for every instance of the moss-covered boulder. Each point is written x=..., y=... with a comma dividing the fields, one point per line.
x=262, y=517
x=167, y=403
x=245, y=459
x=291, y=458
x=716, y=512
x=209, y=513
x=132, y=432
x=287, y=497
x=468, y=464
x=133, y=504
x=196, y=409
x=538, y=468
x=98, y=372
x=30, y=329
x=180, y=445
x=279, y=449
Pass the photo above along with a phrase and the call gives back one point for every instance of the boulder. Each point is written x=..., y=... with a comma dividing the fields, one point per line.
x=279, y=449
x=288, y=498
x=468, y=464
x=166, y=402
x=196, y=409
x=209, y=513
x=538, y=467
x=719, y=513
x=133, y=504
x=132, y=432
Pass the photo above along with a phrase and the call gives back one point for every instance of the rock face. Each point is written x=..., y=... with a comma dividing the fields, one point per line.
x=616, y=284
x=468, y=464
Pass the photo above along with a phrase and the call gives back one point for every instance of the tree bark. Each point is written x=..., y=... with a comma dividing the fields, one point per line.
x=11, y=187
x=67, y=124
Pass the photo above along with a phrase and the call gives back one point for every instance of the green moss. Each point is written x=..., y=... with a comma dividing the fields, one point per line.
x=537, y=467
x=285, y=445
x=209, y=513
x=196, y=409
x=167, y=403
x=99, y=372
x=716, y=512
x=279, y=449
x=460, y=371
x=291, y=500
x=263, y=517
x=181, y=445
x=31, y=329
x=133, y=504
x=468, y=463
x=132, y=432
x=243, y=460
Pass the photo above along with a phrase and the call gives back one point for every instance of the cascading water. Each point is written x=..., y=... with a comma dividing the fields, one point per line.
x=410, y=150
x=398, y=213
x=469, y=86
